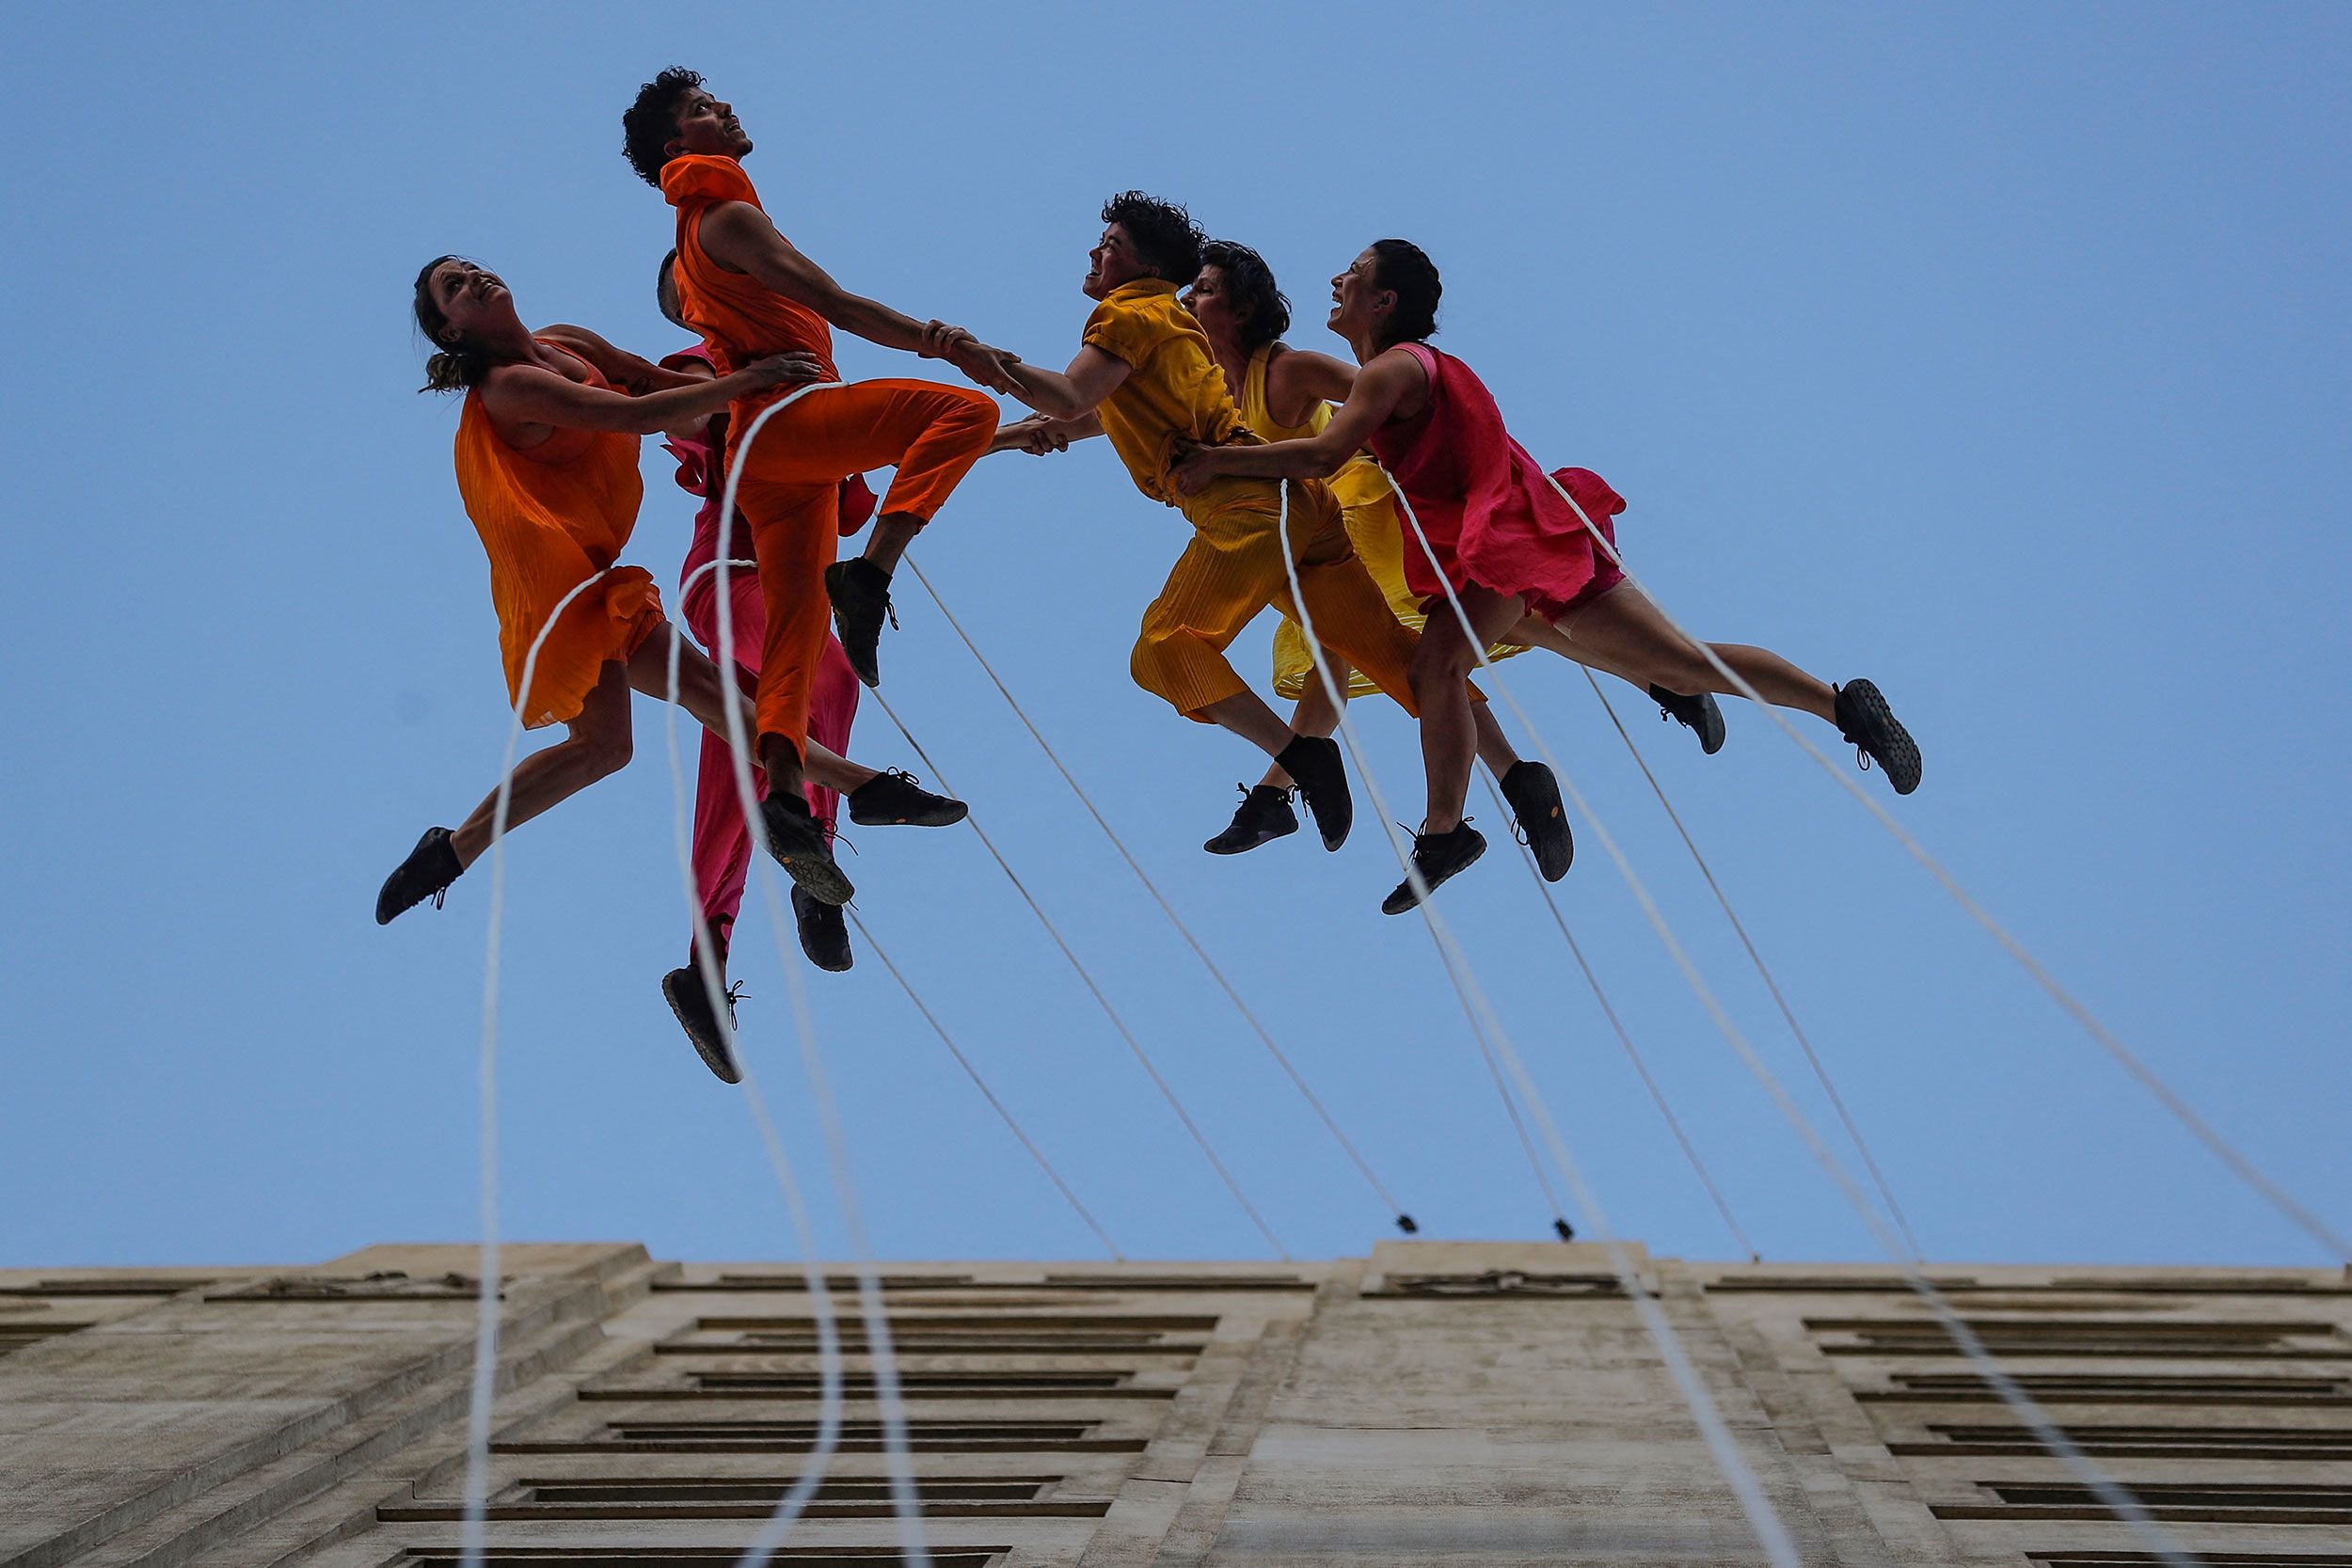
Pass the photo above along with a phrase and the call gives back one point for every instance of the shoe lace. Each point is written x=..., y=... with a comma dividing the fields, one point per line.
x=834, y=837
x=441, y=896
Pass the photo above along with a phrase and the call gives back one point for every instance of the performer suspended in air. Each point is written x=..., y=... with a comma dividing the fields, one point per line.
x=722, y=843
x=1144, y=377
x=1514, y=550
x=1286, y=393
x=749, y=293
x=546, y=463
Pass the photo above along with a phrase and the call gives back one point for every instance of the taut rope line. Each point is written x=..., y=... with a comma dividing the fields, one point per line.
x=2104, y=1487
x=1721, y=1446
x=1403, y=1221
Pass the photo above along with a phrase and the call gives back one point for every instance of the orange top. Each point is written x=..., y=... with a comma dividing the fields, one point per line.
x=551, y=516
x=740, y=318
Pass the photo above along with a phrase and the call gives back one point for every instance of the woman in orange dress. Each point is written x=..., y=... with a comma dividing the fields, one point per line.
x=547, y=463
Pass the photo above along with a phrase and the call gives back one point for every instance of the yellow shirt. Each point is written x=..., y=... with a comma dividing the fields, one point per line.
x=1173, y=389
x=1359, y=483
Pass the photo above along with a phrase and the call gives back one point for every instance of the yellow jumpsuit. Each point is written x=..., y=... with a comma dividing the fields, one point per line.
x=1368, y=509
x=1232, y=569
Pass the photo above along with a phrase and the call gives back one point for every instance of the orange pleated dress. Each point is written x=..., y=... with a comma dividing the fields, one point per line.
x=550, y=518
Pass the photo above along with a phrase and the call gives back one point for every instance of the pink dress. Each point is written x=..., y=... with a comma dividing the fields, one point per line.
x=1492, y=519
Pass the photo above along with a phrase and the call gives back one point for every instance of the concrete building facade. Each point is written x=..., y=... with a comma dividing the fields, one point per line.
x=1436, y=1403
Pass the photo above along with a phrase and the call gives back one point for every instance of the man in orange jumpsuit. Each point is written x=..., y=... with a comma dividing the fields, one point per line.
x=742, y=285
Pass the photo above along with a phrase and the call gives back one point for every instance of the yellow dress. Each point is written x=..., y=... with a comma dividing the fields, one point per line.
x=1368, y=508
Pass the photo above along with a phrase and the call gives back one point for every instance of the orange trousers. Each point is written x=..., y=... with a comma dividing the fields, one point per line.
x=790, y=495
x=1232, y=570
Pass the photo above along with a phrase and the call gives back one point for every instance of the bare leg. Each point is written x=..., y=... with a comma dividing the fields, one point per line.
x=596, y=746
x=1246, y=715
x=893, y=533
x=1494, y=747
x=1449, y=728
x=1627, y=631
x=1317, y=714
x=1535, y=632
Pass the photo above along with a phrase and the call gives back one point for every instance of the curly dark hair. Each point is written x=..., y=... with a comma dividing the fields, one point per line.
x=1403, y=266
x=1166, y=238
x=650, y=124
x=452, y=367
x=1264, y=310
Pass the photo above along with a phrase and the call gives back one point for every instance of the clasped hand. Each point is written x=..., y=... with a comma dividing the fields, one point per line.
x=975, y=359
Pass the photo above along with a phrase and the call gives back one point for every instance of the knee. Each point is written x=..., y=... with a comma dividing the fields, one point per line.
x=971, y=415
x=1439, y=662
x=1146, y=665
x=603, y=753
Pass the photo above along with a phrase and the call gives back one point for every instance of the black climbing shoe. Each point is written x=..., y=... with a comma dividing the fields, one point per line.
x=824, y=932
x=427, y=872
x=860, y=591
x=1437, y=857
x=1871, y=728
x=1698, y=714
x=1264, y=816
x=894, y=800
x=691, y=1000
x=1314, y=765
x=1534, y=797
x=803, y=846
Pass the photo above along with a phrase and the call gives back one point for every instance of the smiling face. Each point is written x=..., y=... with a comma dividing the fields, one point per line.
x=1112, y=262
x=708, y=125
x=1358, y=304
x=1212, y=306
x=473, y=302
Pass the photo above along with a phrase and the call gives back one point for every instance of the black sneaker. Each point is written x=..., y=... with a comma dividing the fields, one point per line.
x=690, y=999
x=1534, y=797
x=824, y=932
x=1697, y=713
x=1313, y=764
x=804, y=847
x=1871, y=728
x=1264, y=816
x=427, y=872
x=1437, y=857
x=860, y=591
x=895, y=799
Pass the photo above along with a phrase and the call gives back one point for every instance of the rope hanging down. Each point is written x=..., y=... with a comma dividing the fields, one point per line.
x=2297, y=1213
x=1403, y=1221
x=2104, y=1487
x=1770, y=1533
x=970, y=1070
x=904, y=1506
x=1102, y=998
x=1657, y=1093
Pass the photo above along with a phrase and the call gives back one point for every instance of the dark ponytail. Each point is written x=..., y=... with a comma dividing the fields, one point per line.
x=1404, y=269
x=450, y=368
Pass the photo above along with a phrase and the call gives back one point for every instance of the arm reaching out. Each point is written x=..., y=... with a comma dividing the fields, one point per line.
x=741, y=238
x=1380, y=387
x=1299, y=378
x=522, y=398
x=1038, y=434
x=617, y=365
x=1072, y=394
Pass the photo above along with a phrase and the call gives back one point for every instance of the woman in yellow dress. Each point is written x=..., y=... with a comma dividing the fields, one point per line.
x=1286, y=393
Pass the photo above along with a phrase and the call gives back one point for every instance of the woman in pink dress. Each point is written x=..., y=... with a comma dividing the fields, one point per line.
x=1514, y=552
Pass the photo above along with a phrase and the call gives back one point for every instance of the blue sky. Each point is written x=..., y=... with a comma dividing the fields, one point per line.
x=2000, y=353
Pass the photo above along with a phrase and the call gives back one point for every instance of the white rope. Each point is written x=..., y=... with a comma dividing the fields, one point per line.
x=1403, y=1220
x=1657, y=1093
x=1168, y=1091
x=904, y=1504
x=2278, y=1197
x=1770, y=1533
x=2104, y=1487
x=486, y=1343
x=1789, y=1014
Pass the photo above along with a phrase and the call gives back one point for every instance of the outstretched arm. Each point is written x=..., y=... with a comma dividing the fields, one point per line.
x=1380, y=387
x=1095, y=375
x=739, y=237
x=522, y=396
x=1299, y=378
x=1039, y=434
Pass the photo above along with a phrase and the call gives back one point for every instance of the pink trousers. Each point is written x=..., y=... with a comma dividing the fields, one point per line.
x=723, y=843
